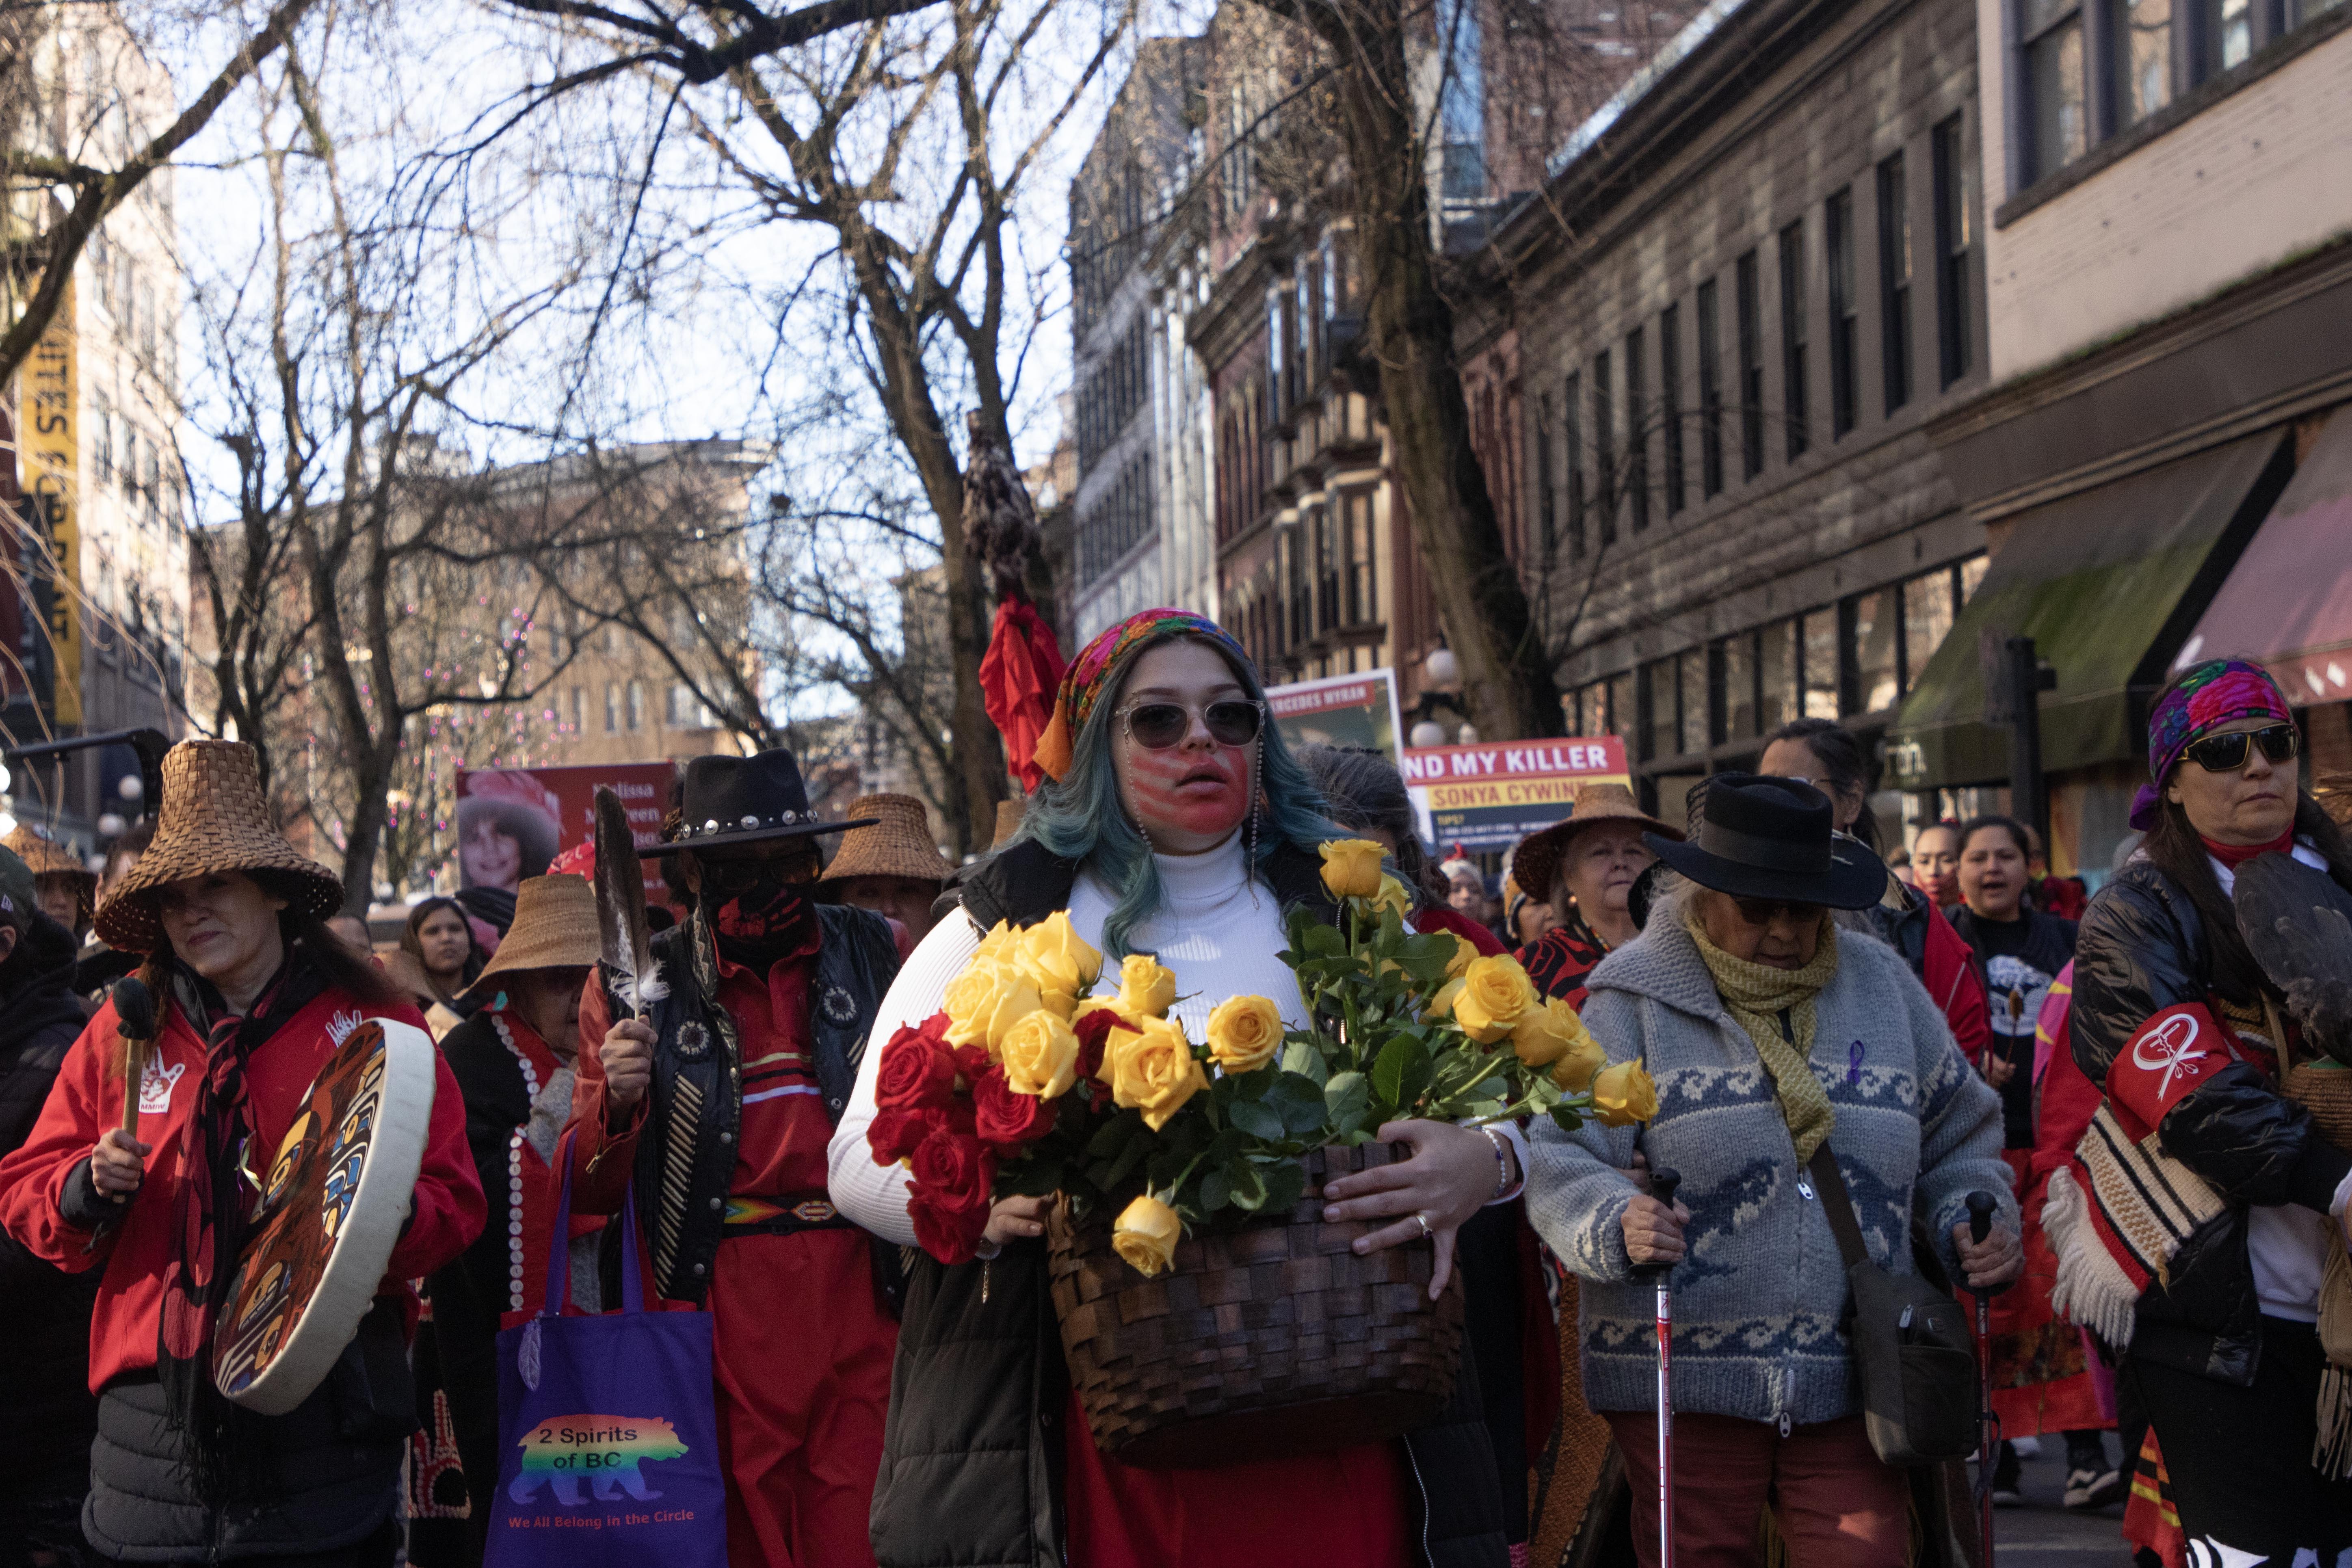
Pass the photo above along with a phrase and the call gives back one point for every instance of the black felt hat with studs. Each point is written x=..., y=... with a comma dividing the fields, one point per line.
x=726, y=801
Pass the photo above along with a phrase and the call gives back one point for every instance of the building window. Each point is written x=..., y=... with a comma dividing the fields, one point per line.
x=2225, y=35
x=1660, y=692
x=1604, y=440
x=2141, y=31
x=579, y=709
x=1692, y=677
x=1539, y=437
x=636, y=705
x=1670, y=401
x=1746, y=290
x=1779, y=693
x=1870, y=622
x=612, y=709
x=2057, y=127
x=1952, y=195
x=1571, y=405
x=1710, y=390
x=1895, y=281
x=1363, y=559
x=1637, y=433
x=1793, y=338
x=1822, y=680
x=1735, y=666
x=1844, y=313
x=101, y=442
x=1624, y=714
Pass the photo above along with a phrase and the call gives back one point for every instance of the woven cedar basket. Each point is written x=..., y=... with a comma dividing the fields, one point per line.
x=1269, y=1339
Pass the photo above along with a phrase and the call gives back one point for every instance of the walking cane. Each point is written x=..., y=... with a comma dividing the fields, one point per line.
x=1664, y=1180
x=1980, y=1207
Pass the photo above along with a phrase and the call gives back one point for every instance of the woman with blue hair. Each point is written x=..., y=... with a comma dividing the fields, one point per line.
x=1177, y=823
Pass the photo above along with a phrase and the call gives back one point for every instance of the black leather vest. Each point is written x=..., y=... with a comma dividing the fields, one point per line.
x=685, y=1157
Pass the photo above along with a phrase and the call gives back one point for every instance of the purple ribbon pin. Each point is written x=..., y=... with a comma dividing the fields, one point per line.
x=1853, y=1064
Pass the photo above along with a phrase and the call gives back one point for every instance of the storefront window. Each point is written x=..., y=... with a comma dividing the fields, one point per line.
x=1878, y=681
x=1926, y=620
x=1973, y=571
x=1820, y=666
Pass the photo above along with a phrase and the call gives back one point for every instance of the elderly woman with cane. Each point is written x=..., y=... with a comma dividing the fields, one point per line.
x=1799, y=1069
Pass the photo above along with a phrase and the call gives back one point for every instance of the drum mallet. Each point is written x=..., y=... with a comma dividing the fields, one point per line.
x=1664, y=1180
x=134, y=1025
x=1980, y=1211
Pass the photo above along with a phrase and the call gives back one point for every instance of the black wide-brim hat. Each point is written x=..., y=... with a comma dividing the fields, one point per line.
x=1774, y=838
x=725, y=801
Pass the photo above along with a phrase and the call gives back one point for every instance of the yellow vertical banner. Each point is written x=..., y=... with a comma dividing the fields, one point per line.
x=50, y=412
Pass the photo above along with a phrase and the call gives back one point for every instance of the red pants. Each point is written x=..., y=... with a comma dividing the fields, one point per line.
x=803, y=1364
x=1837, y=1506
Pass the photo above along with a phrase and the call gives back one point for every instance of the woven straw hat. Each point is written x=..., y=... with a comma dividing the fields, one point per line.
x=44, y=857
x=1536, y=861
x=215, y=818
x=554, y=928
x=900, y=844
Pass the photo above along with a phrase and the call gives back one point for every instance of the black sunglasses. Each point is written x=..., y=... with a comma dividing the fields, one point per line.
x=740, y=874
x=2228, y=754
x=1764, y=911
x=1232, y=721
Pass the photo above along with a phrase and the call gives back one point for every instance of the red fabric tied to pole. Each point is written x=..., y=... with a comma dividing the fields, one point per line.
x=1018, y=676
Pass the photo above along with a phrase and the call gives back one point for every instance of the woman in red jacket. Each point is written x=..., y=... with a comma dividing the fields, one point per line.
x=253, y=995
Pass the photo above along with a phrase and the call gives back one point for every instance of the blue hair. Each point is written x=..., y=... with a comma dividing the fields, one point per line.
x=1080, y=816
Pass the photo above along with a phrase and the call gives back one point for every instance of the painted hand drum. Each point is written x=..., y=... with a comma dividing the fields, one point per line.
x=331, y=1209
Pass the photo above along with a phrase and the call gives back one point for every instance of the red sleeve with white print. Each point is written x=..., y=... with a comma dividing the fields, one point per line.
x=2165, y=1060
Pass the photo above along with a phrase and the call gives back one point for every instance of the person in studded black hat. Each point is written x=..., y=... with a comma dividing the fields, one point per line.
x=747, y=1062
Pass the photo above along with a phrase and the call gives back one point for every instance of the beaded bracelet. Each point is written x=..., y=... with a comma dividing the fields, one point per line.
x=1503, y=1163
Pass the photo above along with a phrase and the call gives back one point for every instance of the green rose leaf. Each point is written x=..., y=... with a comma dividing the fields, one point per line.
x=1286, y=1184
x=1215, y=1191
x=1248, y=1186
x=1347, y=1099
x=1300, y=1057
x=1258, y=1119
x=1298, y=1099
x=1402, y=1071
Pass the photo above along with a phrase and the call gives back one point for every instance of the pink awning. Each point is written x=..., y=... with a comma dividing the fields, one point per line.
x=2288, y=601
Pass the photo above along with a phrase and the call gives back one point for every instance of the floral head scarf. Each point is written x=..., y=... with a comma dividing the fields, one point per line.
x=1089, y=675
x=2219, y=692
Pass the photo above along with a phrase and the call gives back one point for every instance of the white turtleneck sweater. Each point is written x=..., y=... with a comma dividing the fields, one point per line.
x=1219, y=931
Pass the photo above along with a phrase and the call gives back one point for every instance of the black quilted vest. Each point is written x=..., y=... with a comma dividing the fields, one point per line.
x=685, y=1157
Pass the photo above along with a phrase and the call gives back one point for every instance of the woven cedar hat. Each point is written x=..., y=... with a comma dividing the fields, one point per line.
x=1536, y=862
x=214, y=819
x=43, y=856
x=554, y=928
x=901, y=845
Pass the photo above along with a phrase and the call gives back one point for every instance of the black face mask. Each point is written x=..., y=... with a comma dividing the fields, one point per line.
x=755, y=926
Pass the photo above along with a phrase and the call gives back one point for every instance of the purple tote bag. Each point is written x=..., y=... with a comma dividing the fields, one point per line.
x=607, y=1431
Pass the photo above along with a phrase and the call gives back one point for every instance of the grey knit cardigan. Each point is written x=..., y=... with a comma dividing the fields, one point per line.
x=1760, y=1295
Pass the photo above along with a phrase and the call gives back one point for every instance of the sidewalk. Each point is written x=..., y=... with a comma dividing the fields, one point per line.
x=2043, y=1535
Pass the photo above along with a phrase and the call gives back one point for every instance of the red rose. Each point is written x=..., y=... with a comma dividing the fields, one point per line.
x=951, y=1166
x=1094, y=1031
x=952, y=1235
x=953, y=1188
x=971, y=1062
x=917, y=1070
x=1006, y=1121
x=894, y=1134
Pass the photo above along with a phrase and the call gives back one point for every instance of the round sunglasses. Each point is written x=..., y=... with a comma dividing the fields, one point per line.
x=2228, y=754
x=1230, y=720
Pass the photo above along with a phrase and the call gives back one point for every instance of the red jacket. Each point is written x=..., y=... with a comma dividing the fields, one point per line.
x=445, y=1214
x=1948, y=968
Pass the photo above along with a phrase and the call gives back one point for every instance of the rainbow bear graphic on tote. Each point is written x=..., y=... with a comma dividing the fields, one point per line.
x=603, y=1450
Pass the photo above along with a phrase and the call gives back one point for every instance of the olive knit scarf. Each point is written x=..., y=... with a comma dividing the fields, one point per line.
x=1756, y=995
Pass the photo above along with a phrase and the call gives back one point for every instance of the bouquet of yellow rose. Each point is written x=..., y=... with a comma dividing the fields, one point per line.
x=1029, y=1082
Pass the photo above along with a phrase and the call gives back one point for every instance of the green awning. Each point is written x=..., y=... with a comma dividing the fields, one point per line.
x=2107, y=584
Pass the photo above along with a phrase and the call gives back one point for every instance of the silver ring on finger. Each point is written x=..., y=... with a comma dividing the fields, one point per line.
x=1422, y=1220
